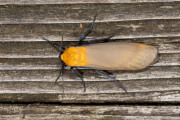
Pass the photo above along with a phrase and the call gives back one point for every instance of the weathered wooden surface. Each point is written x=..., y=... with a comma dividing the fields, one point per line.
x=29, y=65
x=74, y=112
x=139, y=20
x=84, y=12
x=5, y=2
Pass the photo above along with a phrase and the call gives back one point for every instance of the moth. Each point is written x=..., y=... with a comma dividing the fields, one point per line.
x=106, y=56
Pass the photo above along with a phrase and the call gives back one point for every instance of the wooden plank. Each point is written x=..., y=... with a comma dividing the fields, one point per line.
x=72, y=32
x=89, y=75
x=130, y=97
x=83, y=13
x=156, y=84
x=94, y=117
x=96, y=86
x=38, y=2
x=114, y=112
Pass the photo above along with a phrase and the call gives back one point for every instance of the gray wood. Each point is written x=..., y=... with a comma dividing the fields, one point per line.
x=31, y=86
x=89, y=75
x=84, y=117
x=129, y=30
x=37, y=2
x=114, y=112
x=85, y=12
x=98, y=86
x=131, y=97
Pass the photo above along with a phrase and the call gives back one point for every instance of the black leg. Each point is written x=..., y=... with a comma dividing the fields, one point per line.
x=60, y=74
x=89, y=30
x=61, y=71
x=116, y=81
x=54, y=44
x=104, y=39
x=83, y=82
x=59, y=48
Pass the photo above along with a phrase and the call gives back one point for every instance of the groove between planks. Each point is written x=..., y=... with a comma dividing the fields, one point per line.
x=83, y=117
x=81, y=97
x=166, y=111
x=21, y=2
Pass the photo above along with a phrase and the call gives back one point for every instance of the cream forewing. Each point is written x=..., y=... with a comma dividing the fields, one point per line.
x=120, y=56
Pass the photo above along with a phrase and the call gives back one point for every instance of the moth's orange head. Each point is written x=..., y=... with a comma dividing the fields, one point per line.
x=75, y=56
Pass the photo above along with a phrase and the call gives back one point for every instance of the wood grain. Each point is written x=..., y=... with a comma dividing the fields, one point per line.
x=89, y=75
x=72, y=31
x=83, y=13
x=115, y=112
x=82, y=117
x=152, y=85
x=38, y=2
x=93, y=86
